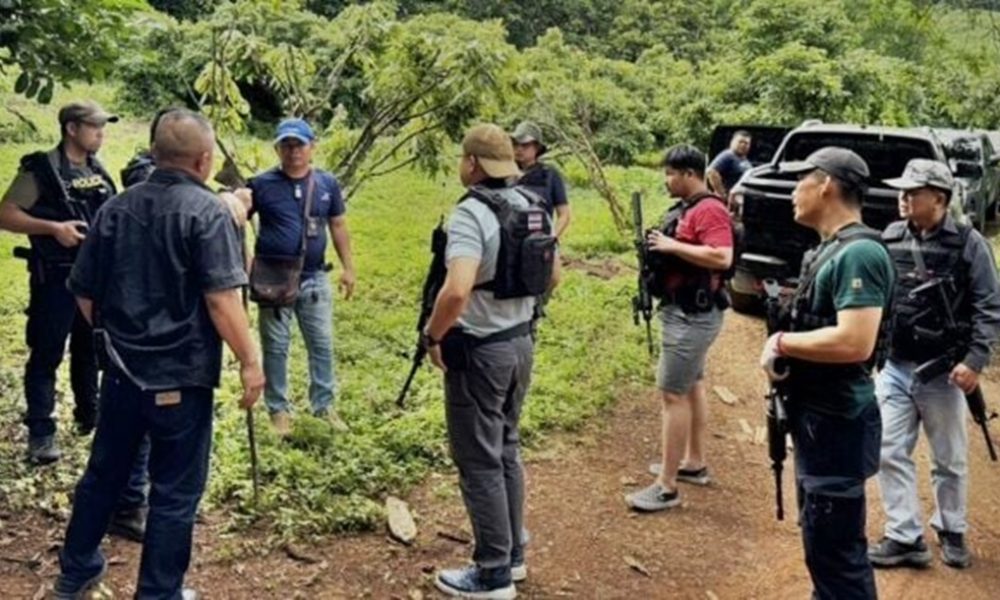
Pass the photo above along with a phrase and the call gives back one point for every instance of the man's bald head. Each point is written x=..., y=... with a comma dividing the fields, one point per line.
x=184, y=140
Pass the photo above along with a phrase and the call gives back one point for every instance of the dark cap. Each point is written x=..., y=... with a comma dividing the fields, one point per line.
x=841, y=163
x=924, y=172
x=85, y=112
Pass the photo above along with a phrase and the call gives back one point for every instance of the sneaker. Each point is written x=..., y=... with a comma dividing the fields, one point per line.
x=129, y=524
x=63, y=590
x=890, y=553
x=282, y=423
x=333, y=418
x=43, y=450
x=954, y=552
x=477, y=583
x=189, y=594
x=692, y=476
x=653, y=498
x=518, y=570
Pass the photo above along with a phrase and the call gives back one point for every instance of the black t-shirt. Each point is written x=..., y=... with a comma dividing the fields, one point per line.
x=149, y=258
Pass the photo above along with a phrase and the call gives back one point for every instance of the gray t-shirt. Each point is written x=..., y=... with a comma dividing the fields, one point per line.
x=474, y=232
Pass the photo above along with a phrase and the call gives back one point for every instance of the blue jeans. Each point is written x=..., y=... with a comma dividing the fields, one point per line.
x=180, y=436
x=939, y=406
x=833, y=458
x=314, y=311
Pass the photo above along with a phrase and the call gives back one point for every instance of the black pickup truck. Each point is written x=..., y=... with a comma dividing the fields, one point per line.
x=761, y=201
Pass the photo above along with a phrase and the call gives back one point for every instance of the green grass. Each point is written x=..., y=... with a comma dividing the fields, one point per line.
x=588, y=354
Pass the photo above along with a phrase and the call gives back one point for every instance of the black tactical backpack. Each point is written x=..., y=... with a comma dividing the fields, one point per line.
x=527, y=245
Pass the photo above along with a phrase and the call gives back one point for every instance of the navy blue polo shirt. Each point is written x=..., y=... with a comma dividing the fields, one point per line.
x=278, y=199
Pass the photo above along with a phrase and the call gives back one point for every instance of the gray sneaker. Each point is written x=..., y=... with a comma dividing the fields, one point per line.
x=652, y=499
x=890, y=553
x=692, y=476
x=43, y=450
x=954, y=552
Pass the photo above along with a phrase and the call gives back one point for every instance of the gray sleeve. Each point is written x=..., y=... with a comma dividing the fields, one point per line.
x=984, y=296
x=465, y=235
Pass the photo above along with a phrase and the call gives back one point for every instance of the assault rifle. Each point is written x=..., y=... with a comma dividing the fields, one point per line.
x=432, y=285
x=642, y=302
x=953, y=337
x=777, y=398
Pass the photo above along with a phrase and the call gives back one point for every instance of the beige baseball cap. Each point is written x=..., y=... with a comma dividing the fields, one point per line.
x=492, y=147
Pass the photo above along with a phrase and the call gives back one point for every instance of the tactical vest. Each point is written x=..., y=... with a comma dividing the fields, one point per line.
x=696, y=294
x=943, y=258
x=538, y=179
x=802, y=315
x=62, y=198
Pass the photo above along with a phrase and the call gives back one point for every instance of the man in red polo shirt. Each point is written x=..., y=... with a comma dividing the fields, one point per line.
x=691, y=254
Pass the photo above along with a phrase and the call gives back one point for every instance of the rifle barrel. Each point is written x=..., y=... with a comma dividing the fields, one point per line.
x=418, y=359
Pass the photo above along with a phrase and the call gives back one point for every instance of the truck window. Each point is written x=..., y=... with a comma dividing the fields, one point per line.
x=886, y=155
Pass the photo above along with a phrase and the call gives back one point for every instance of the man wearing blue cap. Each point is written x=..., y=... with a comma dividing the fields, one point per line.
x=296, y=204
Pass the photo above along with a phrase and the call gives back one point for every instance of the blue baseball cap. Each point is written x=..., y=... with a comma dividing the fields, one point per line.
x=295, y=128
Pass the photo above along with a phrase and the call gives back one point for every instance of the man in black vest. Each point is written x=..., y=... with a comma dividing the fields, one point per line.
x=52, y=200
x=955, y=265
x=539, y=177
x=829, y=343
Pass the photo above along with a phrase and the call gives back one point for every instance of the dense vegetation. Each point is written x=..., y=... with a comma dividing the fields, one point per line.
x=392, y=85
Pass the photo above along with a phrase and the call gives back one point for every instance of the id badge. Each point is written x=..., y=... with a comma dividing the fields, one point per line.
x=312, y=227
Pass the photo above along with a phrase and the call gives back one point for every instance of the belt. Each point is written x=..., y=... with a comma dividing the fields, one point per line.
x=519, y=330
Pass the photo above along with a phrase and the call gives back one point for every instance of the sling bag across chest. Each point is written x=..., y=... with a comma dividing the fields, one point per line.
x=274, y=279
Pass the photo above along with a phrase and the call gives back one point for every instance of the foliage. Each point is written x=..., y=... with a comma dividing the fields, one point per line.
x=54, y=41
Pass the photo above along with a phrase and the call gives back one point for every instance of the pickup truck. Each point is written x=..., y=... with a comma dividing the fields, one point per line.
x=976, y=164
x=773, y=242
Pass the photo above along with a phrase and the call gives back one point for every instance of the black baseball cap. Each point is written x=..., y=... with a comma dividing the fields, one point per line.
x=839, y=162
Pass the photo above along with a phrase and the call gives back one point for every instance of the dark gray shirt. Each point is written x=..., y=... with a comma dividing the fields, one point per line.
x=149, y=258
x=984, y=290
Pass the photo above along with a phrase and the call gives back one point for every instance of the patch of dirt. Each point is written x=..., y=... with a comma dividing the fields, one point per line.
x=606, y=269
x=723, y=543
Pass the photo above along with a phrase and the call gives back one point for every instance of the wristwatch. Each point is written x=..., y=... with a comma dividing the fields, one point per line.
x=427, y=342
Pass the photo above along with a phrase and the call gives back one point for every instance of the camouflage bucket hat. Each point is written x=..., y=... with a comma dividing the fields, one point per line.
x=923, y=172
x=527, y=132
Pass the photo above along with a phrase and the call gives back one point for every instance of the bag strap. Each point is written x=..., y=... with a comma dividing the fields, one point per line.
x=307, y=209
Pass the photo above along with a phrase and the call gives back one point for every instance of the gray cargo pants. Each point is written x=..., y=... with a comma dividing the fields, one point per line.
x=483, y=407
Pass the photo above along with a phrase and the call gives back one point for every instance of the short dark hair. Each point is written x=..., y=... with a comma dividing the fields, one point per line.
x=156, y=121
x=852, y=193
x=742, y=133
x=685, y=157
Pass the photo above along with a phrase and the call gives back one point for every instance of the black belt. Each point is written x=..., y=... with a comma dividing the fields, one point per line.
x=520, y=330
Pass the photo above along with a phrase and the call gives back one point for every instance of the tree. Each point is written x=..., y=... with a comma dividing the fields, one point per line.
x=53, y=41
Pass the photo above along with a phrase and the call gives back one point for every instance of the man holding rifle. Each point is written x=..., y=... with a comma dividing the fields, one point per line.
x=500, y=257
x=52, y=200
x=947, y=318
x=829, y=344
x=159, y=276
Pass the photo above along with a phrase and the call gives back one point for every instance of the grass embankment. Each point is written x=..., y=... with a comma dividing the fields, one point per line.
x=319, y=482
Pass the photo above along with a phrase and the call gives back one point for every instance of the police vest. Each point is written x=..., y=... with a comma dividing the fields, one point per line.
x=803, y=316
x=940, y=259
x=64, y=198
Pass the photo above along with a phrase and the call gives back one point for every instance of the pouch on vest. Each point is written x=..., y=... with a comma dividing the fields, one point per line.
x=275, y=279
x=527, y=246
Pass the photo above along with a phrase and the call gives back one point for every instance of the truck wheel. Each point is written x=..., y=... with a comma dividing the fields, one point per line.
x=747, y=304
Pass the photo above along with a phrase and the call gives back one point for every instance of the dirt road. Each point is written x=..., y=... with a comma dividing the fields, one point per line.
x=723, y=543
